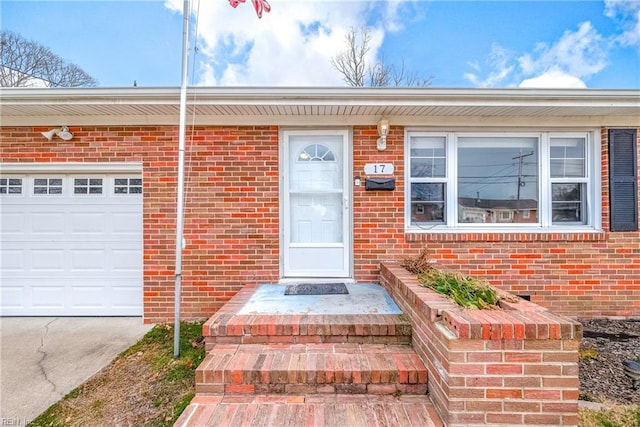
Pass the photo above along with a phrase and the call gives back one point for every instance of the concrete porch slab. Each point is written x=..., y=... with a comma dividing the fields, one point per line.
x=362, y=299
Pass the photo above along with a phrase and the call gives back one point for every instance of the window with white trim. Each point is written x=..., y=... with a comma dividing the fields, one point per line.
x=10, y=185
x=87, y=186
x=501, y=181
x=127, y=186
x=47, y=186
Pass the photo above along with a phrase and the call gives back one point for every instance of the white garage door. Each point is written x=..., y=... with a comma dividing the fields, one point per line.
x=71, y=245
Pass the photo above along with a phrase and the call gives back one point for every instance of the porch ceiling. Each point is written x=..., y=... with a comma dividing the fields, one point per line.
x=319, y=106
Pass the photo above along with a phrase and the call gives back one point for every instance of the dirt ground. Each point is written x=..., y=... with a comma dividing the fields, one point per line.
x=605, y=346
x=145, y=386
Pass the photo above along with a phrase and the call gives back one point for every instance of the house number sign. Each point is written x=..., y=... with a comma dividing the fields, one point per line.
x=378, y=169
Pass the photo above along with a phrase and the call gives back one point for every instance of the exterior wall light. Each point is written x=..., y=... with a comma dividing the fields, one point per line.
x=62, y=133
x=383, y=131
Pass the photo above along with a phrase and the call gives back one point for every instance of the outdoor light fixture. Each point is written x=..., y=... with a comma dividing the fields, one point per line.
x=62, y=132
x=383, y=131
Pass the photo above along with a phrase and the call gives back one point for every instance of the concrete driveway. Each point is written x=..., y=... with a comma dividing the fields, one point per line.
x=44, y=358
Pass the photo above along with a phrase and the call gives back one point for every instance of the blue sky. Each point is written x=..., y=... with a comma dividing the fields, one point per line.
x=593, y=44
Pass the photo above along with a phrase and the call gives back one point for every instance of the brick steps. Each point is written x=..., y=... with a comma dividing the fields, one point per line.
x=311, y=368
x=310, y=410
x=308, y=370
x=229, y=328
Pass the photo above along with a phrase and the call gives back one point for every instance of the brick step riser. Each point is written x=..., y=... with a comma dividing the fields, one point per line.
x=312, y=368
x=306, y=339
x=297, y=389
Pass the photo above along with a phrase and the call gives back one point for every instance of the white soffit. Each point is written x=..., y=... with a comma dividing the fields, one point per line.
x=338, y=106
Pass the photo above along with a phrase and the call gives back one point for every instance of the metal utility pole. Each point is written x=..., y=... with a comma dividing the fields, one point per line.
x=521, y=182
x=180, y=197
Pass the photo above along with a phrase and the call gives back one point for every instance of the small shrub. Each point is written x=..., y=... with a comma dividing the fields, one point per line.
x=418, y=265
x=586, y=397
x=466, y=291
x=588, y=353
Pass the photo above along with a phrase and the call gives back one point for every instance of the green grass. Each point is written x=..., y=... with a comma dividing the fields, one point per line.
x=167, y=384
x=466, y=291
x=587, y=353
x=615, y=416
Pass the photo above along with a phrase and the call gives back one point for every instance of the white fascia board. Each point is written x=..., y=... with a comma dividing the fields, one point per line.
x=71, y=167
x=324, y=120
x=324, y=96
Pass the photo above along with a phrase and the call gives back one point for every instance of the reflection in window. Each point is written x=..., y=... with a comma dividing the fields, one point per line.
x=568, y=180
x=10, y=185
x=530, y=180
x=427, y=202
x=127, y=186
x=427, y=157
x=47, y=186
x=568, y=202
x=316, y=153
x=87, y=186
x=497, y=179
x=428, y=174
x=567, y=157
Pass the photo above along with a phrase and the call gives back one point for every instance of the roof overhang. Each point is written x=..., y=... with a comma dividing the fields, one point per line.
x=288, y=106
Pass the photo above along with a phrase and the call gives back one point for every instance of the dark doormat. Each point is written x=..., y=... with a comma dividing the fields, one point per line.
x=316, y=289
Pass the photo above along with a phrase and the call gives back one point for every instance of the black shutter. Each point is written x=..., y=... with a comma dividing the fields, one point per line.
x=623, y=179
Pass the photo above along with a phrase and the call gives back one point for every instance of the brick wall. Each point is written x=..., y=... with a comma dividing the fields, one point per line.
x=232, y=222
x=516, y=366
x=580, y=275
x=231, y=204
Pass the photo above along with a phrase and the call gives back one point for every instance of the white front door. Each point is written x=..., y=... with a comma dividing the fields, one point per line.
x=317, y=202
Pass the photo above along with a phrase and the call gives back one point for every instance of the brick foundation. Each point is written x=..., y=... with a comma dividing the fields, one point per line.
x=515, y=366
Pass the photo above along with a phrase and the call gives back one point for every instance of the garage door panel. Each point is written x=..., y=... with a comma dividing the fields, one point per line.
x=12, y=260
x=88, y=223
x=126, y=223
x=49, y=296
x=88, y=260
x=84, y=297
x=123, y=294
x=13, y=224
x=69, y=254
x=13, y=297
x=47, y=260
x=126, y=260
x=46, y=224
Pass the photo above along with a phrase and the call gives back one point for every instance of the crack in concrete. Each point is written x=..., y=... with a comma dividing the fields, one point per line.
x=44, y=356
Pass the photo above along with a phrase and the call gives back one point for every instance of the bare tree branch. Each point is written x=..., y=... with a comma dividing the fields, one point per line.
x=27, y=63
x=352, y=64
x=351, y=61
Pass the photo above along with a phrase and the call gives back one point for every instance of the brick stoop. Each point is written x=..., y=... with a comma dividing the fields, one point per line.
x=310, y=410
x=228, y=327
x=308, y=370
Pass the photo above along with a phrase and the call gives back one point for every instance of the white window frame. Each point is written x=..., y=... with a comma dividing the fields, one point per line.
x=72, y=186
x=128, y=185
x=24, y=186
x=450, y=225
x=63, y=185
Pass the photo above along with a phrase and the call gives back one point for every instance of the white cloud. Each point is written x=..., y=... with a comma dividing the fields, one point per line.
x=576, y=56
x=627, y=14
x=554, y=79
x=581, y=53
x=290, y=46
x=499, y=60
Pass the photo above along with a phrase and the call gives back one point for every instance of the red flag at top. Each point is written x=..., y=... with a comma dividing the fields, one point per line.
x=259, y=5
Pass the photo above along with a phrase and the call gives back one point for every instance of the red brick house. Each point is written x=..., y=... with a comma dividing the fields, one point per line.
x=284, y=184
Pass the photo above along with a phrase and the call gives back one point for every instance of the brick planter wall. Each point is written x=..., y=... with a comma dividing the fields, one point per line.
x=515, y=366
